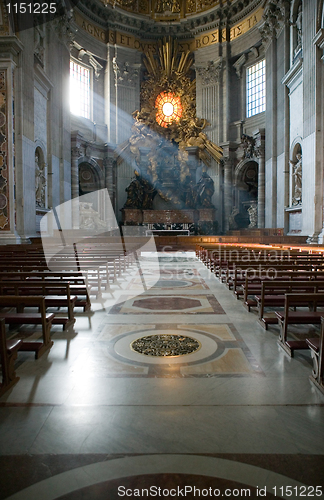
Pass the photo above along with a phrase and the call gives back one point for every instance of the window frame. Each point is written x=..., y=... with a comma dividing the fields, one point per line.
x=249, y=105
x=90, y=69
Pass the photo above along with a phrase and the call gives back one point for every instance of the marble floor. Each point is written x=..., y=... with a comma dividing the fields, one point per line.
x=94, y=419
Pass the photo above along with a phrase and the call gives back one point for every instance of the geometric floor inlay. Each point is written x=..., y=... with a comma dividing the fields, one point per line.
x=171, y=304
x=165, y=345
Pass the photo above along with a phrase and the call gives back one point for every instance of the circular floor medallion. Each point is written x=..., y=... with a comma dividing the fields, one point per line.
x=165, y=345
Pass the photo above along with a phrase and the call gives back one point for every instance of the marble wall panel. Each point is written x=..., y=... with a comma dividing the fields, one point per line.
x=54, y=197
x=296, y=111
x=281, y=190
x=67, y=180
x=40, y=117
x=295, y=222
x=28, y=179
x=308, y=185
x=268, y=193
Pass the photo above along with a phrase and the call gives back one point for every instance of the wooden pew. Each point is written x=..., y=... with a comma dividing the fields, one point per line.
x=317, y=351
x=289, y=317
x=236, y=277
x=273, y=295
x=8, y=356
x=78, y=283
x=253, y=282
x=57, y=294
x=32, y=318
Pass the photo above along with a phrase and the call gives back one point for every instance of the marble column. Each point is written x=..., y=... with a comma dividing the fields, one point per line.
x=75, y=155
x=260, y=140
x=228, y=202
x=109, y=165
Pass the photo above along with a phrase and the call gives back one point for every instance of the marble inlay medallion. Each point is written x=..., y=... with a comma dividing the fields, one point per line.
x=165, y=345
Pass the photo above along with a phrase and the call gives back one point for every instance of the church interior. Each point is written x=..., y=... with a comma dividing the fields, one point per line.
x=161, y=249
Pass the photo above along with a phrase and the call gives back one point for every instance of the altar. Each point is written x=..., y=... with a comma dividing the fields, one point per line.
x=173, y=222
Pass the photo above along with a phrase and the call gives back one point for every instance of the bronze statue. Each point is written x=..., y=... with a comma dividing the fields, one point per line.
x=188, y=192
x=204, y=191
x=140, y=193
x=135, y=193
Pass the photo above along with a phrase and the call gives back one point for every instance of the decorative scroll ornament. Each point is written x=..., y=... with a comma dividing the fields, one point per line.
x=125, y=74
x=63, y=28
x=248, y=144
x=211, y=74
x=276, y=13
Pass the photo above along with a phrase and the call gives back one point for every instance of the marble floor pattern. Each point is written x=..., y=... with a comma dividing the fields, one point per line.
x=93, y=415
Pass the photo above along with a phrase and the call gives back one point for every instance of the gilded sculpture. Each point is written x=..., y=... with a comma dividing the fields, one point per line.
x=170, y=73
x=166, y=126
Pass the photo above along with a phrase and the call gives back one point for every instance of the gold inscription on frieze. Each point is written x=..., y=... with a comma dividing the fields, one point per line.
x=239, y=29
x=205, y=40
x=115, y=37
x=246, y=25
x=91, y=29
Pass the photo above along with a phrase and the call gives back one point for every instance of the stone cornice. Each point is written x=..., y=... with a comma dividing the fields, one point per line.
x=44, y=83
x=293, y=73
x=319, y=41
x=10, y=46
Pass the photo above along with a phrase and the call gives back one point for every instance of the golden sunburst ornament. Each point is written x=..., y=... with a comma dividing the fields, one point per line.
x=168, y=107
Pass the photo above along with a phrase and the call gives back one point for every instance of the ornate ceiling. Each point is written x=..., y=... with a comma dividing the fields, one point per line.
x=158, y=18
x=165, y=10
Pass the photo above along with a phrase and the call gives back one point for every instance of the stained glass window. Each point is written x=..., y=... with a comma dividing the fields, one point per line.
x=169, y=108
x=255, y=89
x=79, y=90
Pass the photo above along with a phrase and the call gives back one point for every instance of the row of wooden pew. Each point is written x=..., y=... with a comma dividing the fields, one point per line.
x=286, y=286
x=30, y=286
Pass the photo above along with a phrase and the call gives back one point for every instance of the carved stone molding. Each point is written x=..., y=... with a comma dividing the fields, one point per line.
x=259, y=145
x=275, y=16
x=81, y=53
x=238, y=65
x=211, y=74
x=76, y=152
x=319, y=41
x=248, y=144
x=126, y=73
x=62, y=26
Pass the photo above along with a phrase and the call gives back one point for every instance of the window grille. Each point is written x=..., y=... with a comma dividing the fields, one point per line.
x=79, y=90
x=255, y=89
